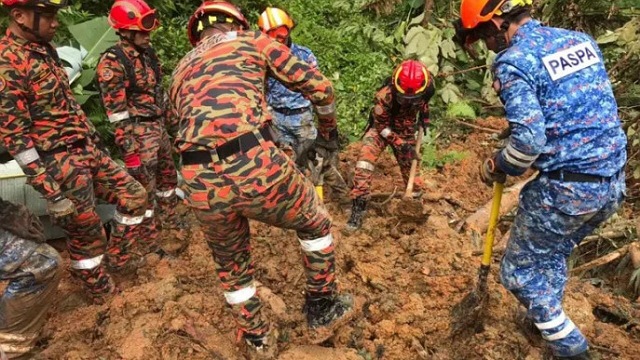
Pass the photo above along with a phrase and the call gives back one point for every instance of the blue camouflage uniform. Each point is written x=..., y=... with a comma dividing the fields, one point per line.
x=33, y=271
x=292, y=113
x=564, y=122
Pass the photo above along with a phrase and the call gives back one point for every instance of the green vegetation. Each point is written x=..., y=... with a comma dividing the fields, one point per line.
x=358, y=42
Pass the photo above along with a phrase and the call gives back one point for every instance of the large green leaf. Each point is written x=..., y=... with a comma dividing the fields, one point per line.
x=94, y=35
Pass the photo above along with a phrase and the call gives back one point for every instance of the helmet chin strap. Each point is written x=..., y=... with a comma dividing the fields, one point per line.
x=501, y=37
x=131, y=40
x=35, y=31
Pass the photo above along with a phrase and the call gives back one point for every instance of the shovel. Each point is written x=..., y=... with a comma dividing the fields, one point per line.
x=468, y=314
x=412, y=209
x=317, y=176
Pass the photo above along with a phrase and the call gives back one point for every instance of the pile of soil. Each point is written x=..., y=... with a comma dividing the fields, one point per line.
x=406, y=277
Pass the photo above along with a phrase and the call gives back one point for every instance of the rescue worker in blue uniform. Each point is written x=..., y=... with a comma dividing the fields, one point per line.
x=32, y=270
x=564, y=122
x=293, y=113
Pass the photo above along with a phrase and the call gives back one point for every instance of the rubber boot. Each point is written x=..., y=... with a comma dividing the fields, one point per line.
x=262, y=347
x=357, y=214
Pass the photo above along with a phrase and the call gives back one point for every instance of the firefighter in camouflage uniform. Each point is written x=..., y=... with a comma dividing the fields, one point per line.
x=401, y=109
x=32, y=270
x=130, y=82
x=564, y=122
x=48, y=134
x=292, y=112
x=233, y=171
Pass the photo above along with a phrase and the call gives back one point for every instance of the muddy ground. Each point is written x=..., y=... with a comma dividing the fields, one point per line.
x=407, y=277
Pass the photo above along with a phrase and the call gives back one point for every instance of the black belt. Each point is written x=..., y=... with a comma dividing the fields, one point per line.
x=289, y=112
x=568, y=176
x=146, y=119
x=240, y=144
x=78, y=144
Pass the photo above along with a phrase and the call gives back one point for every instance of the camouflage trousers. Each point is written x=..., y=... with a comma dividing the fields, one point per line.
x=33, y=272
x=262, y=184
x=553, y=217
x=372, y=146
x=155, y=152
x=83, y=174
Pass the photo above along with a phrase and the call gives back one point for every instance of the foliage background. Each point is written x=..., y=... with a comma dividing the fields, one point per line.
x=358, y=42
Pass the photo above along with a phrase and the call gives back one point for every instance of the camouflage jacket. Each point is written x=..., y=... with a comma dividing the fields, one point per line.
x=279, y=96
x=37, y=108
x=394, y=122
x=218, y=88
x=124, y=101
x=559, y=104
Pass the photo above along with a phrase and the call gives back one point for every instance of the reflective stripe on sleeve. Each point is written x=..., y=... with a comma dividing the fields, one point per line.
x=87, y=264
x=385, y=132
x=365, y=165
x=517, y=158
x=127, y=220
x=119, y=116
x=326, y=109
x=165, y=194
x=27, y=157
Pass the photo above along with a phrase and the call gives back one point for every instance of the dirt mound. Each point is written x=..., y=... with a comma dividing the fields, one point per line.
x=407, y=275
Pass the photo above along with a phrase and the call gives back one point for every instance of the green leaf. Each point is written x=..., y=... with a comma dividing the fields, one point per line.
x=450, y=93
x=95, y=36
x=607, y=38
x=461, y=110
x=87, y=77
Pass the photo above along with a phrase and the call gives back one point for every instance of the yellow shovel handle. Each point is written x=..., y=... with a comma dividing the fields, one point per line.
x=493, y=222
x=320, y=192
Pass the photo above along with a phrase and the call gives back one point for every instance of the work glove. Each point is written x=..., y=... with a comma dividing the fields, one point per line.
x=61, y=209
x=134, y=166
x=327, y=147
x=409, y=151
x=490, y=173
x=503, y=138
x=18, y=220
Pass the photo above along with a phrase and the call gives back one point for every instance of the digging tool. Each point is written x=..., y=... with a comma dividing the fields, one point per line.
x=469, y=312
x=411, y=209
x=317, y=175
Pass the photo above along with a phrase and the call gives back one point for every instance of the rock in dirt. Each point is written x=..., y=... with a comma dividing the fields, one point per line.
x=311, y=352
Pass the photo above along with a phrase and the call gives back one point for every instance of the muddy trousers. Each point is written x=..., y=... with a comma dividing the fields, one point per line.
x=224, y=212
x=155, y=152
x=29, y=294
x=551, y=221
x=296, y=133
x=372, y=146
x=83, y=173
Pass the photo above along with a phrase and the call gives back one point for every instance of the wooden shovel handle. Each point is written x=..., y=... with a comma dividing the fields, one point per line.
x=414, y=165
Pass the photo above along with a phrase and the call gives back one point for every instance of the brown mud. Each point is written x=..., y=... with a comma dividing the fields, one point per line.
x=406, y=276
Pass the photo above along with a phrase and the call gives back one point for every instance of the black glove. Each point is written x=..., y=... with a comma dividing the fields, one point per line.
x=331, y=144
x=18, y=220
x=409, y=151
x=490, y=173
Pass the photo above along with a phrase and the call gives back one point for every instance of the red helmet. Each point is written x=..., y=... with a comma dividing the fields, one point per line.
x=44, y=4
x=412, y=80
x=134, y=15
x=216, y=11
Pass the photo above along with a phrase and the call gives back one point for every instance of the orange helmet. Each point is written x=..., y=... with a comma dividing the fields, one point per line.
x=212, y=12
x=273, y=18
x=134, y=15
x=412, y=80
x=474, y=12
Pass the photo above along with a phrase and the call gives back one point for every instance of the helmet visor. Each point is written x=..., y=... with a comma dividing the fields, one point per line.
x=148, y=21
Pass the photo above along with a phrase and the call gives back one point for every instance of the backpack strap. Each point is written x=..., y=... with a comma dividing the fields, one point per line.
x=129, y=69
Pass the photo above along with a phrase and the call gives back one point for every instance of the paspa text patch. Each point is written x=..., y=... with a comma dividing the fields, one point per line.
x=571, y=60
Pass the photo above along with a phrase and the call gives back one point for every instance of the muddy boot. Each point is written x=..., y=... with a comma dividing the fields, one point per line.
x=357, y=214
x=328, y=311
x=262, y=346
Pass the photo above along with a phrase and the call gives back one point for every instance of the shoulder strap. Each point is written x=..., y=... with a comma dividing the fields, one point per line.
x=155, y=64
x=129, y=70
